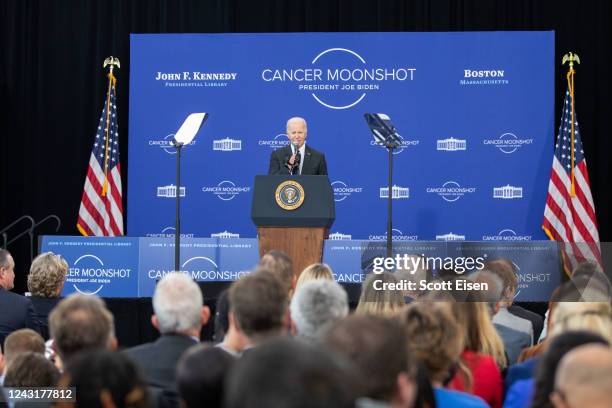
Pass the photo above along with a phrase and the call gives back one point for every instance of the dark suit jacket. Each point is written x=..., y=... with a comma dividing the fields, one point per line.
x=41, y=307
x=514, y=341
x=15, y=312
x=314, y=162
x=157, y=361
x=536, y=320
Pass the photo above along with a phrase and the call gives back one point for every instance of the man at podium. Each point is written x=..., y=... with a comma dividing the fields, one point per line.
x=297, y=158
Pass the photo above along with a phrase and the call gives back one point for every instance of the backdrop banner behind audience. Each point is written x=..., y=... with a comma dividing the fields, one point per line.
x=131, y=267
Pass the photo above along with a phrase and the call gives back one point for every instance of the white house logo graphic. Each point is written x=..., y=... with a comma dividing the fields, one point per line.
x=404, y=144
x=397, y=235
x=506, y=235
x=225, y=234
x=169, y=191
x=508, y=192
x=450, y=191
x=168, y=232
x=450, y=237
x=166, y=144
x=342, y=191
x=226, y=190
x=508, y=143
x=227, y=145
x=280, y=140
x=451, y=144
x=397, y=192
x=337, y=236
x=338, y=78
x=89, y=271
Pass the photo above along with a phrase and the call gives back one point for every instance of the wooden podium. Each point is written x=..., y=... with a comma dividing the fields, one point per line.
x=293, y=214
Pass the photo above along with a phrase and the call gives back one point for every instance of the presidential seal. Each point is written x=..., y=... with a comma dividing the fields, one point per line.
x=289, y=195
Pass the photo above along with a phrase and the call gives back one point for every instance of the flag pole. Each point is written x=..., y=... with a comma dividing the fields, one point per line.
x=112, y=62
x=571, y=58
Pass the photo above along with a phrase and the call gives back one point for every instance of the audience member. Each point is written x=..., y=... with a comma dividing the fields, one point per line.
x=434, y=338
x=31, y=369
x=536, y=391
x=569, y=313
x=379, y=302
x=376, y=347
x=536, y=319
x=415, y=275
x=505, y=270
x=538, y=349
x=586, y=279
x=45, y=283
x=21, y=341
x=81, y=322
x=483, y=356
x=258, y=308
x=595, y=317
x=221, y=316
x=317, y=304
x=584, y=378
x=288, y=373
x=200, y=376
x=232, y=341
x=280, y=265
x=20, y=307
x=314, y=272
x=514, y=340
x=103, y=379
x=592, y=271
x=179, y=316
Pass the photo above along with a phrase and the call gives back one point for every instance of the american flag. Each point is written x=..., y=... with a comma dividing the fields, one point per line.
x=569, y=215
x=101, y=211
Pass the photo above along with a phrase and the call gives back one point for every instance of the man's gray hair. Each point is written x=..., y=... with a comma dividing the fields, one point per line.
x=177, y=303
x=316, y=304
x=4, y=255
x=296, y=119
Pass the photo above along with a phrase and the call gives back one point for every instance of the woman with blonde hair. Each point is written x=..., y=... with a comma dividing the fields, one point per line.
x=314, y=272
x=594, y=317
x=45, y=283
x=376, y=299
x=483, y=357
x=579, y=304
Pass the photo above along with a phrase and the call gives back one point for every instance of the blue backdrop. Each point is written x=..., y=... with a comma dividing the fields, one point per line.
x=475, y=111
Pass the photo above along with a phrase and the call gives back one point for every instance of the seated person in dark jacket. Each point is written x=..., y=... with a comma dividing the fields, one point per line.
x=297, y=158
x=45, y=283
x=14, y=309
x=179, y=316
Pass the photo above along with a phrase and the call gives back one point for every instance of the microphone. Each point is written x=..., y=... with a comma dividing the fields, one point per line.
x=298, y=156
x=295, y=147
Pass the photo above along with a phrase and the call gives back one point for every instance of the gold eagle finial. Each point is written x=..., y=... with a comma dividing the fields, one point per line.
x=112, y=61
x=571, y=58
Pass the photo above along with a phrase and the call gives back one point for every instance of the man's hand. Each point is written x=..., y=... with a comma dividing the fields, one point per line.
x=291, y=162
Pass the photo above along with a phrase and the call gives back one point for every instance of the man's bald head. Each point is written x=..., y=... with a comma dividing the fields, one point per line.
x=584, y=378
